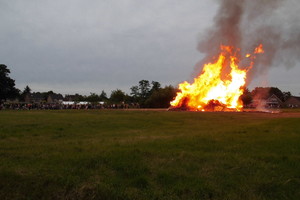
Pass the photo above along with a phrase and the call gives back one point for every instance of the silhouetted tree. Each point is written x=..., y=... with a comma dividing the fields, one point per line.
x=277, y=92
x=7, y=85
x=144, y=87
x=76, y=97
x=246, y=97
x=47, y=94
x=26, y=90
x=135, y=92
x=93, y=98
x=117, y=96
x=103, y=96
x=161, y=97
x=155, y=86
x=286, y=95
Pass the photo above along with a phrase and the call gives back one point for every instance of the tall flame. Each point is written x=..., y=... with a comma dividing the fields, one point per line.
x=213, y=89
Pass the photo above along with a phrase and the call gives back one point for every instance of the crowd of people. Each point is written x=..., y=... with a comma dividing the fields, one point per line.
x=61, y=106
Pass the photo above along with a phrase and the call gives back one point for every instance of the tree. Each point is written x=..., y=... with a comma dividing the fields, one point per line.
x=286, y=95
x=47, y=94
x=246, y=97
x=26, y=90
x=135, y=91
x=103, y=96
x=135, y=94
x=7, y=85
x=144, y=87
x=277, y=92
x=162, y=97
x=79, y=97
x=155, y=86
x=117, y=96
x=93, y=98
x=143, y=92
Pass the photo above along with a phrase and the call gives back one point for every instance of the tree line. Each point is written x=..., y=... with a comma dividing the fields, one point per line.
x=146, y=94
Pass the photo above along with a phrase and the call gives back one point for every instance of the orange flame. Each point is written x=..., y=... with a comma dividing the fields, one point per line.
x=213, y=90
x=259, y=49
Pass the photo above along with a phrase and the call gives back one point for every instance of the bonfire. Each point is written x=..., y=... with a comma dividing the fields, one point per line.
x=219, y=86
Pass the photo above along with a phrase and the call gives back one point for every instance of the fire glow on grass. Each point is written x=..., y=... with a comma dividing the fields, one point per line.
x=214, y=89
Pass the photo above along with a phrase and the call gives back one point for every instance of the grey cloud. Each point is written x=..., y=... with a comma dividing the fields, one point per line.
x=104, y=42
x=84, y=46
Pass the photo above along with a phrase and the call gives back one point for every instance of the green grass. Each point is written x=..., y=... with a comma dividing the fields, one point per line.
x=148, y=155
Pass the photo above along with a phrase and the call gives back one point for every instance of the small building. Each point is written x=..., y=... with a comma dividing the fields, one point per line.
x=75, y=97
x=274, y=102
x=55, y=98
x=292, y=102
x=271, y=102
x=34, y=98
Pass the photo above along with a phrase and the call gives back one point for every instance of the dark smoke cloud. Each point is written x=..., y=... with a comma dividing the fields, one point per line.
x=246, y=23
x=226, y=29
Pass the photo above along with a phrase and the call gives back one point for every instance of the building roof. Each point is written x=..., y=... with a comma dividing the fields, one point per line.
x=273, y=99
x=36, y=96
x=56, y=96
x=297, y=98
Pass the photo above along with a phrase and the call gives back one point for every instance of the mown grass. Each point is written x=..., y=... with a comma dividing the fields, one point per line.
x=148, y=155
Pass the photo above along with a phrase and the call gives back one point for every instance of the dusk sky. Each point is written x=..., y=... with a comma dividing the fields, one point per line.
x=77, y=46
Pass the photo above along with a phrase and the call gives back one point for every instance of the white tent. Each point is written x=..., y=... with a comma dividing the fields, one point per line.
x=68, y=102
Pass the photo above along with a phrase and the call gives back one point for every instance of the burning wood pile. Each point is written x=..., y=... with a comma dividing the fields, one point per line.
x=219, y=86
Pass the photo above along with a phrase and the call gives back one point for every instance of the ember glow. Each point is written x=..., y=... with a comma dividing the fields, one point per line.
x=259, y=49
x=219, y=86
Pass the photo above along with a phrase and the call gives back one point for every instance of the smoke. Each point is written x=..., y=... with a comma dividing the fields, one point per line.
x=226, y=29
x=245, y=24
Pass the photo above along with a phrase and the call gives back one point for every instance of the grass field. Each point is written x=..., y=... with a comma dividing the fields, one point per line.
x=116, y=154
